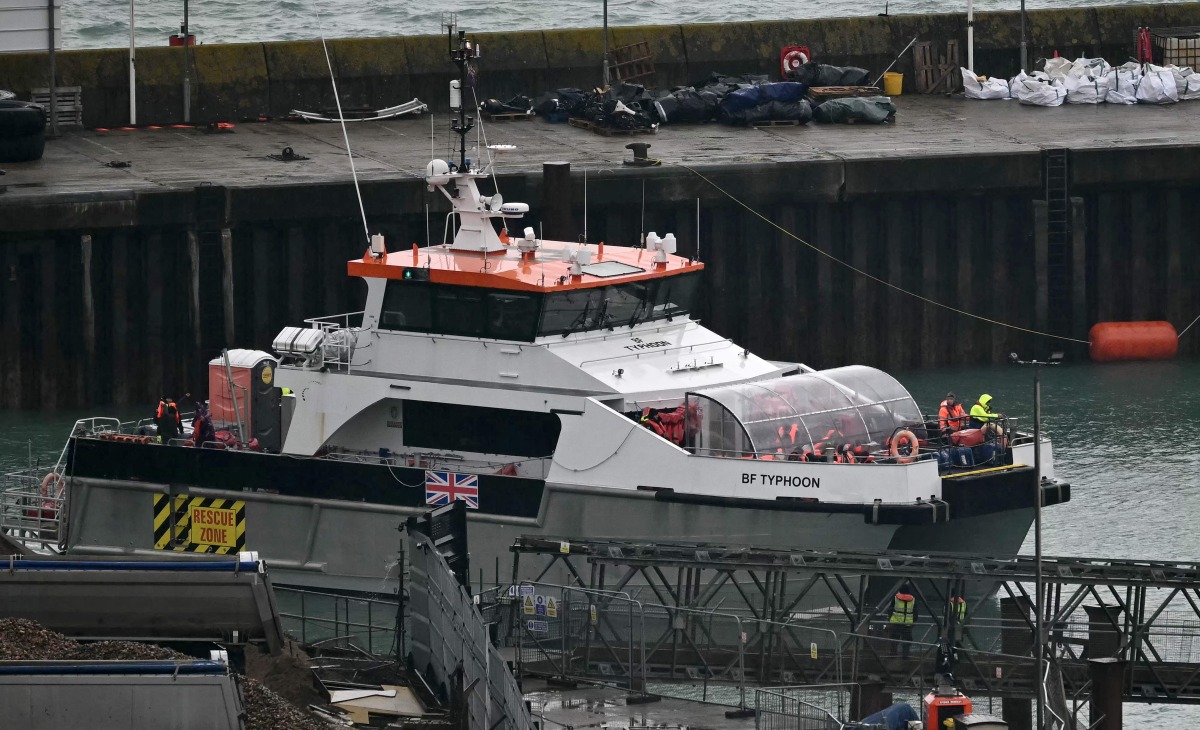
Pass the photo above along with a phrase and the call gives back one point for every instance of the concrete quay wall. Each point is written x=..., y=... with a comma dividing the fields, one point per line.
x=231, y=82
x=116, y=300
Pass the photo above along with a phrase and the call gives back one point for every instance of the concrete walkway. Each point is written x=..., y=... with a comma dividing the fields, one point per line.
x=926, y=127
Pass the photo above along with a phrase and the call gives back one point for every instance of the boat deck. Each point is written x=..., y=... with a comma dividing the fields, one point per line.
x=926, y=127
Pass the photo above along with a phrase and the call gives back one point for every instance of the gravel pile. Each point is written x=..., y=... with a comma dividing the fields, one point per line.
x=22, y=639
x=266, y=710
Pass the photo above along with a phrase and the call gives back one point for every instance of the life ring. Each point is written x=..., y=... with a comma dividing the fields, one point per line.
x=50, y=479
x=911, y=439
x=792, y=59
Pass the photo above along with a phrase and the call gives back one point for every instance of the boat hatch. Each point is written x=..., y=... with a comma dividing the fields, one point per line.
x=854, y=405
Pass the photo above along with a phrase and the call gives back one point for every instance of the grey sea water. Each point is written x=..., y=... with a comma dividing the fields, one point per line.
x=105, y=23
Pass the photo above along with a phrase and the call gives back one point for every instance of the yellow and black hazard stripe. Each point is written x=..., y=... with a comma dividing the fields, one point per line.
x=199, y=524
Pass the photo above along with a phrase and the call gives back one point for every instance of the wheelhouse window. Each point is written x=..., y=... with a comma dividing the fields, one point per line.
x=619, y=305
x=417, y=306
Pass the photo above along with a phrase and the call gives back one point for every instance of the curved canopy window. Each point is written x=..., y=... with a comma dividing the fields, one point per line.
x=854, y=405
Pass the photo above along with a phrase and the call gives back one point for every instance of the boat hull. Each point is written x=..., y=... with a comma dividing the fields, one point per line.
x=290, y=516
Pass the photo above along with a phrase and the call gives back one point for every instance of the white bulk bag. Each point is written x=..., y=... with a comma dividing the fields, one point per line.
x=1036, y=92
x=1188, y=82
x=1057, y=69
x=992, y=88
x=1123, y=83
x=1094, y=67
x=1157, y=86
x=1087, y=89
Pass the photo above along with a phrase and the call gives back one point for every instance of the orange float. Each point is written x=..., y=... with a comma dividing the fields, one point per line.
x=1114, y=341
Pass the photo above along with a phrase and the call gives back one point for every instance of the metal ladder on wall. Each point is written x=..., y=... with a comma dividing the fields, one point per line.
x=1056, y=174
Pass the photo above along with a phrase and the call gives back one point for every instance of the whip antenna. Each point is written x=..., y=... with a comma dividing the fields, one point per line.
x=342, y=120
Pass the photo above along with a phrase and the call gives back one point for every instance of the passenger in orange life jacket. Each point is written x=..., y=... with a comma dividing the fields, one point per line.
x=829, y=440
x=651, y=423
x=951, y=416
x=168, y=420
x=785, y=438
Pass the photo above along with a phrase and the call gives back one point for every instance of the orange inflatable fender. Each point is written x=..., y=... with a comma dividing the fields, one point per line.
x=1116, y=341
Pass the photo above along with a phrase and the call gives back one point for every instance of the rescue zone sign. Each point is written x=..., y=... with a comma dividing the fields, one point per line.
x=212, y=526
x=199, y=524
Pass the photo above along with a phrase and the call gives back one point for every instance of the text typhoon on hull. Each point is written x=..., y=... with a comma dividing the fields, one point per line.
x=782, y=480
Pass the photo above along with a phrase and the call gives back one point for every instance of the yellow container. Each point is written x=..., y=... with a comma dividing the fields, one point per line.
x=893, y=83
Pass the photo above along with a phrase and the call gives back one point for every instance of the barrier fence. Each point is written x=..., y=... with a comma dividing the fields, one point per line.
x=316, y=618
x=451, y=646
x=607, y=637
x=813, y=707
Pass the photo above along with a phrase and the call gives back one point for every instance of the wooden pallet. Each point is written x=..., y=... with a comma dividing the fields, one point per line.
x=818, y=94
x=936, y=74
x=777, y=123
x=506, y=116
x=609, y=131
x=632, y=64
x=68, y=104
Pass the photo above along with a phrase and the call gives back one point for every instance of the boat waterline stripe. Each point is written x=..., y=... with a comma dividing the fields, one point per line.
x=986, y=471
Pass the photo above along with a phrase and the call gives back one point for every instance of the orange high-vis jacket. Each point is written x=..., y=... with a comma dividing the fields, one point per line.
x=951, y=419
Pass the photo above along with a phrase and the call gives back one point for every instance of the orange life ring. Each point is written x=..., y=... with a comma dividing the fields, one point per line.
x=50, y=479
x=911, y=438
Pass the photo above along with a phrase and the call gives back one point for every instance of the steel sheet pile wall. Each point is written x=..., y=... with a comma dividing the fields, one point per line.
x=446, y=630
x=119, y=315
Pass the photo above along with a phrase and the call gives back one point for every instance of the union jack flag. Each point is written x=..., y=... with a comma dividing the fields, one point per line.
x=443, y=487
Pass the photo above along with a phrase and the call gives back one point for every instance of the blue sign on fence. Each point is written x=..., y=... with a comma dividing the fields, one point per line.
x=537, y=626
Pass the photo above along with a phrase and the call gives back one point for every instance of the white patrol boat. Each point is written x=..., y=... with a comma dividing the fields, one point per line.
x=555, y=388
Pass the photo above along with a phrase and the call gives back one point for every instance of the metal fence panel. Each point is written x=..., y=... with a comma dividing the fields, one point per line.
x=813, y=707
x=446, y=628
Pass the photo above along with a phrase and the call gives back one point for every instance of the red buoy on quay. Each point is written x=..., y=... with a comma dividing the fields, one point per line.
x=1114, y=341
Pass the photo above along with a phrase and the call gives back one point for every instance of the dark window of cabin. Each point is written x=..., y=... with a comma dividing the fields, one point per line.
x=416, y=306
x=574, y=310
x=477, y=429
x=407, y=306
x=676, y=296
x=512, y=315
x=619, y=305
x=458, y=310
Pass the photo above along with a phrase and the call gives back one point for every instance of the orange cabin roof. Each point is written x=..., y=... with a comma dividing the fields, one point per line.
x=510, y=269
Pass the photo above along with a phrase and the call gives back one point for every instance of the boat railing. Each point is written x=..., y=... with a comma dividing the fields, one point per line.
x=340, y=337
x=657, y=352
x=883, y=457
x=31, y=505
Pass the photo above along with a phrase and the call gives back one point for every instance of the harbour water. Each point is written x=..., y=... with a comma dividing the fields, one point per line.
x=105, y=24
x=1122, y=437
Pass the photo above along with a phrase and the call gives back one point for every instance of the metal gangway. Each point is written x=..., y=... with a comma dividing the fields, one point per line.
x=642, y=613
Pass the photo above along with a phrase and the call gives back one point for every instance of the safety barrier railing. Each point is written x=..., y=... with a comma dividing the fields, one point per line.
x=340, y=337
x=31, y=507
x=689, y=653
x=316, y=617
x=807, y=707
x=451, y=646
x=879, y=457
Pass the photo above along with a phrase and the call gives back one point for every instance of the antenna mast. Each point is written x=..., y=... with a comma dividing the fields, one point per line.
x=462, y=52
